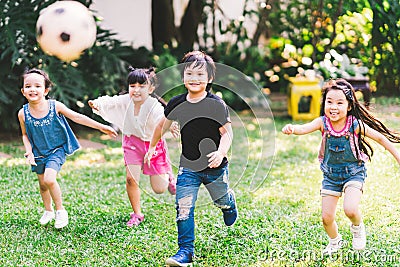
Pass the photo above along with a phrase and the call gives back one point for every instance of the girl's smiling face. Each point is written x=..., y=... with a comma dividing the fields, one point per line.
x=336, y=105
x=34, y=88
x=196, y=78
x=140, y=92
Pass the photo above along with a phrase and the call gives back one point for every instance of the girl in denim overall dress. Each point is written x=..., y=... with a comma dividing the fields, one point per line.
x=48, y=139
x=344, y=124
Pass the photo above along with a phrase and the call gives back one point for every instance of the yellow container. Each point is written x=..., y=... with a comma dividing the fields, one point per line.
x=304, y=101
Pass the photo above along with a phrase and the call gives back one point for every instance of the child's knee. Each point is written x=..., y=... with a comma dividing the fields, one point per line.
x=351, y=211
x=328, y=218
x=183, y=208
x=159, y=190
x=48, y=182
x=43, y=187
x=130, y=181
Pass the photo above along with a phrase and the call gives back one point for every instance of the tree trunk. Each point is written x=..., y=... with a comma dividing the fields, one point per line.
x=189, y=24
x=162, y=23
x=262, y=29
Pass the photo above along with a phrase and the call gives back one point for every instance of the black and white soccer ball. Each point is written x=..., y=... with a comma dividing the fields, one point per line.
x=65, y=29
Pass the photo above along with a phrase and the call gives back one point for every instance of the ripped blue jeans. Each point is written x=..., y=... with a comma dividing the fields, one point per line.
x=187, y=188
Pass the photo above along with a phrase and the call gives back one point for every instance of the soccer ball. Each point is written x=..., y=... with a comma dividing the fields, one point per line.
x=65, y=29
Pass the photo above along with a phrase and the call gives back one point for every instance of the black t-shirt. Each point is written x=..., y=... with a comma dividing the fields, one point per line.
x=199, y=125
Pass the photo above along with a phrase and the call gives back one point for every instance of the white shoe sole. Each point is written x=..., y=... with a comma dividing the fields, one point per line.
x=172, y=262
x=61, y=225
x=46, y=222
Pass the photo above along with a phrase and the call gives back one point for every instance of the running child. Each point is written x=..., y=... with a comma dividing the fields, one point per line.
x=206, y=136
x=344, y=124
x=48, y=138
x=136, y=114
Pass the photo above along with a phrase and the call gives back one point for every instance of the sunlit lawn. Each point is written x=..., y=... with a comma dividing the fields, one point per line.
x=278, y=199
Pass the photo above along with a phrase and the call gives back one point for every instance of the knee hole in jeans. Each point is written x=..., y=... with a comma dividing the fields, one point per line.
x=184, y=205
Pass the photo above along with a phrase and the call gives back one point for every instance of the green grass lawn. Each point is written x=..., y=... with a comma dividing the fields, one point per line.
x=276, y=179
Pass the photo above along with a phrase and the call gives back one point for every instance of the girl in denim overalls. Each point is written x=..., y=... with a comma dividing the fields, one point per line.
x=344, y=124
x=48, y=138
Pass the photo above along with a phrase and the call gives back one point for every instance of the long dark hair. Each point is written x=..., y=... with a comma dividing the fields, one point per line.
x=362, y=115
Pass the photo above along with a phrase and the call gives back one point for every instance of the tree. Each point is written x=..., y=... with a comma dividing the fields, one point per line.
x=386, y=45
x=102, y=69
x=164, y=31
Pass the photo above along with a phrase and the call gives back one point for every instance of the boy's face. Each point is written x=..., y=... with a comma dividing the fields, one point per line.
x=34, y=87
x=196, y=78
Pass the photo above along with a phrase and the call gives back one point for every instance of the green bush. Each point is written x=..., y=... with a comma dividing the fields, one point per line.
x=102, y=69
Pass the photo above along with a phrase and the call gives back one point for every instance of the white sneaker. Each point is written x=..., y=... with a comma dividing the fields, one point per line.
x=61, y=219
x=47, y=217
x=359, y=236
x=333, y=246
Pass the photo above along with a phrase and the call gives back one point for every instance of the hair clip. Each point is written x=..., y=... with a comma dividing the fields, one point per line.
x=346, y=90
x=150, y=70
x=348, y=93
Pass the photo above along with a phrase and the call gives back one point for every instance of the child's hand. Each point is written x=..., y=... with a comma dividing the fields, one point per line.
x=30, y=158
x=288, y=129
x=149, y=155
x=93, y=105
x=109, y=130
x=174, y=129
x=215, y=159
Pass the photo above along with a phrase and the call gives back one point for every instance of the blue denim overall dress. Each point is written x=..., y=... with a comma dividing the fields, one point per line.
x=340, y=164
x=51, y=138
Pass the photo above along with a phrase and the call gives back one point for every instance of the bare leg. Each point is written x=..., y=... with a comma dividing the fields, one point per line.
x=51, y=183
x=329, y=204
x=350, y=206
x=159, y=183
x=132, y=187
x=351, y=202
x=45, y=193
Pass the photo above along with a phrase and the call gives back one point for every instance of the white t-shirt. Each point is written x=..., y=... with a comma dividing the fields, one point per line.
x=119, y=110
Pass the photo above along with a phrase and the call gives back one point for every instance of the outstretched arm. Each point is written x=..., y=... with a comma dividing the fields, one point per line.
x=306, y=128
x=163, y=125
x=84, y=120
x=382, y=140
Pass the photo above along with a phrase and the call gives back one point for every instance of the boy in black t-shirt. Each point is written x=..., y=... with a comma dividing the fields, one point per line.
x=206, y=136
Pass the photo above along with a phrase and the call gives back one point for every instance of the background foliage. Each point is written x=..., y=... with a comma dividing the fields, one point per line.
x=101, y=70
x=385, y=64
x=289, y=38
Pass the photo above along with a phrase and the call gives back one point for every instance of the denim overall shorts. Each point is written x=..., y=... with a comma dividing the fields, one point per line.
x=340, y=167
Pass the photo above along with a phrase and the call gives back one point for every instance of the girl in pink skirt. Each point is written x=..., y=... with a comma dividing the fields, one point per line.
x=136, y=114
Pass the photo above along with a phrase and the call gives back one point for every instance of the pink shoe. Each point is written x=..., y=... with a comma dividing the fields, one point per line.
x=135, y=220
x=172, y=184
